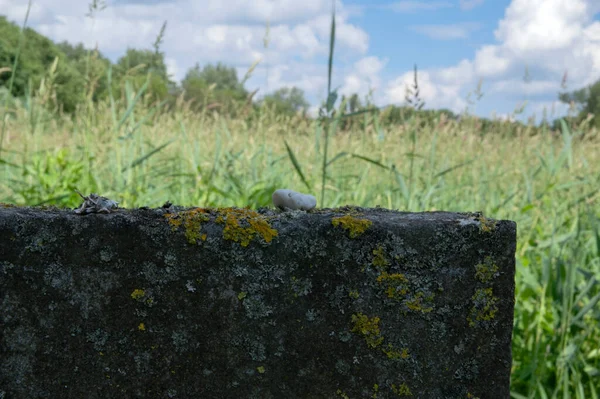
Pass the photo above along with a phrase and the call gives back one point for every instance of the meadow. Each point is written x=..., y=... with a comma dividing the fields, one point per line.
x=141, y=153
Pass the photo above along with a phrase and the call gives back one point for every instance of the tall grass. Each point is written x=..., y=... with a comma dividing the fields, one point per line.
x=137, y=153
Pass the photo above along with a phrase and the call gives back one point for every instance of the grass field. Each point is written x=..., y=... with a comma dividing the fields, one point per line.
x=547, y=184
x=135, y=153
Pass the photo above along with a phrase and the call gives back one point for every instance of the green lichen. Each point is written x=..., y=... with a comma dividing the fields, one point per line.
x=353, y=225
x=243, y=225
x=401, y=390
x=487, y=270
x=379, y=259
x=368, y=328
x=484, y=307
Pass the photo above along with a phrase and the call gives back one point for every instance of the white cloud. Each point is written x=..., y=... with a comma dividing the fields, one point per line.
x=469, y=4
x=489, y=62
x=447, y=32
x=415, y=5
x=519, y=86
x=549, y=36
x=364, y=76
x=432, y=92
x=542, y=25
x=173, y=69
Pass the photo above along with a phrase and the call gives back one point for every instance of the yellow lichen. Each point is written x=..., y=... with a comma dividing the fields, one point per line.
x=484, y=306
x=353, y=294
x=416, y=303
x=393, y=353
x=486, y=225
x=487, y=270
x=396, y=284
x=243, y=225
x=192, y=222
x=353, y=225
x=375, y=390
x=141, y=327
x=138, y=294
x=341, y=393
x=379, y=259
x=401, y=390
x=368, y=328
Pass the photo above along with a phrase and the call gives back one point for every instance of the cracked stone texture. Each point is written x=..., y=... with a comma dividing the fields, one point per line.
x=145, y=303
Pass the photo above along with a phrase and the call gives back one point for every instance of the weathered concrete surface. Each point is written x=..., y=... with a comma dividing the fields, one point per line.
x=199, y=303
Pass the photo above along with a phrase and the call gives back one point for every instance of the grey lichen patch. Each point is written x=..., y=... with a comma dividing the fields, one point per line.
x=256, y=308
x=106, y=254
x=98, y=339
x=301, y=287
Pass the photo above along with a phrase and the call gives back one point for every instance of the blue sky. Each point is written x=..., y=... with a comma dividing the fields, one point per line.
x=455, y=43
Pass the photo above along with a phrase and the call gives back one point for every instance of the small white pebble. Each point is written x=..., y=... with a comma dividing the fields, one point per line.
x=284, y=198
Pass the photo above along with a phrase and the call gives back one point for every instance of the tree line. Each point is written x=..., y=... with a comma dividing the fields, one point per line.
x=82, y=76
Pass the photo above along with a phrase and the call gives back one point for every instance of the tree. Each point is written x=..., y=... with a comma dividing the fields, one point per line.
x=586, y=100
x=288, y=101
x=224, y=77
x=92, y=65
x=138, y=65
x=215, y=85
x=37, y=56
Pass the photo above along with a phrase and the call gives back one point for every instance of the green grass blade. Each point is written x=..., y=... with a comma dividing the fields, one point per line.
x=297, y=165
x=132, y=105
x=331, y=46
x=140, y=160
x=338, y=156
x=372, y=161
